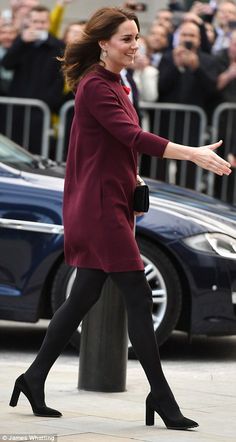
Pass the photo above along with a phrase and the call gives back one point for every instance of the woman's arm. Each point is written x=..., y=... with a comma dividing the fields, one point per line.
x=107, y=110
x=202, y=156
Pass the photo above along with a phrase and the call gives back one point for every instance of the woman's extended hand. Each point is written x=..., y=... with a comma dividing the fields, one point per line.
x=202, y=156
x=205, y=157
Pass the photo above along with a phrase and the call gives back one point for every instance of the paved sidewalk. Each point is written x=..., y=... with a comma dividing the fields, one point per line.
x=206, y=392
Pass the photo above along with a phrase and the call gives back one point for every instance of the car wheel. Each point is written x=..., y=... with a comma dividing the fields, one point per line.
x=166, y=288
x=60, y=291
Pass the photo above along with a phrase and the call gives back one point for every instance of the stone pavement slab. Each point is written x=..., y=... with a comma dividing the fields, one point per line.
x=92, y=416
x=205, y=390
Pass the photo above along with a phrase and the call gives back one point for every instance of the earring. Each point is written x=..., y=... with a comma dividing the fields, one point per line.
x=104, y=53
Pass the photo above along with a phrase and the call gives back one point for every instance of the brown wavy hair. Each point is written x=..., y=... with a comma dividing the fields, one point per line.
x=83, y=55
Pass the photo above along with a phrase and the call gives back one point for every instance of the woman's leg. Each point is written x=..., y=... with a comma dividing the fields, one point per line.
x=85, y=292
x=138, y=299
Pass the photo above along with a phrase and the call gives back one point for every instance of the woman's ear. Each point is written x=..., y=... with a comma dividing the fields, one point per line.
x=103, y=45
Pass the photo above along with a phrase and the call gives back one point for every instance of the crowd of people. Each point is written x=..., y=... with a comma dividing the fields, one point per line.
x=185, y=57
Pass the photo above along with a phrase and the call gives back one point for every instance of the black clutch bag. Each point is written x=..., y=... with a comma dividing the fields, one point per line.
x=141, y=198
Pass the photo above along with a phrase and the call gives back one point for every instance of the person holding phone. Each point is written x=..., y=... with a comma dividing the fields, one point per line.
x=226, y=84
x=33, y=49
x=98, y=211
x=188, y=75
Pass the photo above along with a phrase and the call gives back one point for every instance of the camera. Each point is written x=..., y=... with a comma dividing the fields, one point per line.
x=137, y=7
x=188, y=45
x=232, y=25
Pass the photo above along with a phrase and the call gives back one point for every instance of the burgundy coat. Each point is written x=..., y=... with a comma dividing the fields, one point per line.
x=101, y=175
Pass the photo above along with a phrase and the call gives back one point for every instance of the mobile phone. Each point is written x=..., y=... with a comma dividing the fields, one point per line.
x=188, y=45
x=232, y=24
x=137, y=7
x=207, y=18
x=41, y=35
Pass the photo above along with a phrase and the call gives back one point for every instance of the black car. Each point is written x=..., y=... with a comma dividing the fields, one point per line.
x=187, y=242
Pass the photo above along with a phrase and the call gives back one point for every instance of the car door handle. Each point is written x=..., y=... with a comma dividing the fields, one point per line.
x=31, y=226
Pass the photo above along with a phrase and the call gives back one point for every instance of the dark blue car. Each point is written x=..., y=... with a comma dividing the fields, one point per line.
x=187, y=242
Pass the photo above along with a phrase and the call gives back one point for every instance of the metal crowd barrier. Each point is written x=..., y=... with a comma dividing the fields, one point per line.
x=62, y=129
x=175, y=115
x=223, y=127
x=27, y=104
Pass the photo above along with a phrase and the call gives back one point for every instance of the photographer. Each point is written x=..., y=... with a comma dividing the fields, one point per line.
x=225, y=22
x=36, y=71
x=157, y=43
x=227, y=86
x=187, y=74
x=227, y=79
x=7, y=36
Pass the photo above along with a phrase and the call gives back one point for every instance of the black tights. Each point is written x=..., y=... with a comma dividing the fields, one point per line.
x=85, y=292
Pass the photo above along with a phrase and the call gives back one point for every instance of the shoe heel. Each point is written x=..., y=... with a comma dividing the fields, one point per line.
x=15, y=396
x=149, y=415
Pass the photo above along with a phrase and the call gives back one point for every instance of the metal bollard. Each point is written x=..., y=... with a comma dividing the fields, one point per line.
x=104, y=344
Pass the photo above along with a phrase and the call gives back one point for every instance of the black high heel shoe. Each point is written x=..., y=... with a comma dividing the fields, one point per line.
x=178, y=423
x=22, y=387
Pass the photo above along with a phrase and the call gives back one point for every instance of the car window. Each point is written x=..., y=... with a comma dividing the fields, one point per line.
x=12, y=155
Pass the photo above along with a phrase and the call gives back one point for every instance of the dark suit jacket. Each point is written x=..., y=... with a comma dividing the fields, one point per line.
x=188, y=87
x=228, y=93
x=36, y=71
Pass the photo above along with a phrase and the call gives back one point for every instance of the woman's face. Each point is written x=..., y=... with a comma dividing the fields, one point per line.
x=121, y=48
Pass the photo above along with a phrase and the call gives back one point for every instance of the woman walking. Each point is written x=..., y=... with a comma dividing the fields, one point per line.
x=98, y=209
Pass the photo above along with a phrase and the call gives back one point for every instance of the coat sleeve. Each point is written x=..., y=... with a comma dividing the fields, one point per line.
x=52, y=94
x=169, y=75
x=207, y=74
x=103, y=104
x=16, y=54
